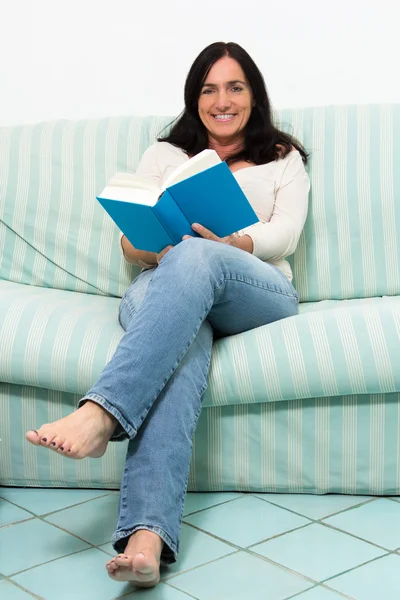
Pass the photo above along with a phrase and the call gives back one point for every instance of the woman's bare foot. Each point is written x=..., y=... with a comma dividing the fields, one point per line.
x=140, y=562
x=85, y=432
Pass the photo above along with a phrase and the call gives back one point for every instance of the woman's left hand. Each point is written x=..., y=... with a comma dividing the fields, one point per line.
x=243, y=242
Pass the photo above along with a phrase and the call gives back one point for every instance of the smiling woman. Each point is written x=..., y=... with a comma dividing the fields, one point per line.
x=206, y=287
x=227, y=108
x=225, y=105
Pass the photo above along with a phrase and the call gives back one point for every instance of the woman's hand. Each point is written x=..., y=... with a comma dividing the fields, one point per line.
x=243, y=242
x=161, y=254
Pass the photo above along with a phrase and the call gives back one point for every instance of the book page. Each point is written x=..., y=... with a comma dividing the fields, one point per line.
x=202, y=161
x=129, y=194
x=130, y=180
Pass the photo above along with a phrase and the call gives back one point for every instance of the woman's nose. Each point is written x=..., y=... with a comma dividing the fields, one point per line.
x=223, y=101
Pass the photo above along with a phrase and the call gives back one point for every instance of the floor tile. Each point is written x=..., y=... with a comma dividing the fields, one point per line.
x=378, y=522
x=313, y=506
x=379, y=580
x=319, y=593
x=9, y=513
x=240, y=577
x=79, y=576
x=200, y=501
x=45, y=543
x=161, y=592
x=108, y=548
x=92, y=521
x=42, y=501
x=9, y=591
x=246, y=521
x=197, y=548
x=328, y=552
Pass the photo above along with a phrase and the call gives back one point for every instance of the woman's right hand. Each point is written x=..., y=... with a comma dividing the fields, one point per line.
x=141, y=258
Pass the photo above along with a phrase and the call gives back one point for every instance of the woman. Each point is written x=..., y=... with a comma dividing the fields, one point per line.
x=152, y=388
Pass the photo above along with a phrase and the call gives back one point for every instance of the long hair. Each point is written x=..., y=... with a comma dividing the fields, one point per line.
x=263, y=142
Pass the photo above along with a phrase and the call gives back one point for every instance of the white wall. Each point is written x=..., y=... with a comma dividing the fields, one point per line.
x=89, y=58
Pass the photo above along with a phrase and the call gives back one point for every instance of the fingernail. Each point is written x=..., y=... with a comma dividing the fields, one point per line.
x=44, y=439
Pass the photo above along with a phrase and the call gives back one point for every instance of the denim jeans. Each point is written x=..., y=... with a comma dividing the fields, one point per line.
x=155, y=381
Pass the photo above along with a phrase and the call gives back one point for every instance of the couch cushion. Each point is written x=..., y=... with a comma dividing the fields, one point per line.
x=62, y=340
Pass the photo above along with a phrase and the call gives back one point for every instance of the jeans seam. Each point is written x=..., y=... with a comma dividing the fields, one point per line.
x=256, y=283
x=172, y=371
x=203, y=389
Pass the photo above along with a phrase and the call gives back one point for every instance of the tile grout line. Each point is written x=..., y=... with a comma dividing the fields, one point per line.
x=19, y=586
x=367, y=562
x=53, y=511
x=368, y=501
x=304, y=592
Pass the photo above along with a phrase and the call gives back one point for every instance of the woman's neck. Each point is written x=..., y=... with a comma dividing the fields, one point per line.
x=224, y=149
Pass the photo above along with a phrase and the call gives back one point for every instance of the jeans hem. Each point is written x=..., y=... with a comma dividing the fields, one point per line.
x=128, y=431
x=169, y=552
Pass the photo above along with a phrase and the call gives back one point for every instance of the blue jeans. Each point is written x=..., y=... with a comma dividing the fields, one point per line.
x=155, y=381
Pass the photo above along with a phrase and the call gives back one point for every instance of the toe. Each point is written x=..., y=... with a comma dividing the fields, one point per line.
x=57, y=442
x=33, y=437
x=46, y=437
x=122, y=560
x=65, y=447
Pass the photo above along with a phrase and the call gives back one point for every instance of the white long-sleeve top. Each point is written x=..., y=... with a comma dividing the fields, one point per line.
x=277, y=191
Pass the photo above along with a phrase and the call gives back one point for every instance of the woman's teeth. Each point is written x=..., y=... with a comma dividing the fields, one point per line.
x=223, y=117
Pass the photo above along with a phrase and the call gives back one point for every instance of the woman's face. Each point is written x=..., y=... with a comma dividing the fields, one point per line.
x=225, y=101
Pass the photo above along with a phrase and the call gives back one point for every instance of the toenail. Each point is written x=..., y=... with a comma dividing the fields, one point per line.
x=61, y=448
x=44, y=439
x=53, y=443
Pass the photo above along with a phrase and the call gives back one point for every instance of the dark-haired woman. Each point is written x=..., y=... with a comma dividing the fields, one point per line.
x=151, y=390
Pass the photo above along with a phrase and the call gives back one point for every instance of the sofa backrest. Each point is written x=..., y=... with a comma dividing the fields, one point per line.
x=54, y=233
x=350, y=246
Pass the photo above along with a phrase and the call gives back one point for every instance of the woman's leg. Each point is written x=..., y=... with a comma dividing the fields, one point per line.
x=156, y=471
x=157, y=464
x=197, y=279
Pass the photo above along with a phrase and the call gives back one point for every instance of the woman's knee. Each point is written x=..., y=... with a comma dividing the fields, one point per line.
x=195, y=251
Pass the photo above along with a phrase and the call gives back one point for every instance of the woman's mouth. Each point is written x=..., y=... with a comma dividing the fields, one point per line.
x=224, y=118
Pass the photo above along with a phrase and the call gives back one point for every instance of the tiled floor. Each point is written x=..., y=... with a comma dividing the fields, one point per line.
x=54, y=544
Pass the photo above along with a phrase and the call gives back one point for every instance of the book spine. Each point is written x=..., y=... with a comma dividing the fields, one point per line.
x=172, y=218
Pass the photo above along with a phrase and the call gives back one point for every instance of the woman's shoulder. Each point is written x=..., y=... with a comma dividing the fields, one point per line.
x=163, y=150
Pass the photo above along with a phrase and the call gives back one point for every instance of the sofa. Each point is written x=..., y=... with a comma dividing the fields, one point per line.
x=309, y=404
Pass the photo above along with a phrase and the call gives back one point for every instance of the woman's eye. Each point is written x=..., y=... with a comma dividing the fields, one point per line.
x=237, y=88
x=207, y=91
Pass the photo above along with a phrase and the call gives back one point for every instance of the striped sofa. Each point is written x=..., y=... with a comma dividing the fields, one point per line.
x=308, y=404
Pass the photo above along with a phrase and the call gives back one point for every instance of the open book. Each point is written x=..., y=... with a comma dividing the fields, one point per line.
x=202, y=190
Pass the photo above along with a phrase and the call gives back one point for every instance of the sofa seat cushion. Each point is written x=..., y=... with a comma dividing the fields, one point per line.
x=55, y=339
x=61, y=340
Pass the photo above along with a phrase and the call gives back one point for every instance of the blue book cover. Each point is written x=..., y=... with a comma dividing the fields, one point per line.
x=212, y=198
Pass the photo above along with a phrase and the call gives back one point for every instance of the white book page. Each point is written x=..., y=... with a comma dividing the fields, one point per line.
x=129, y=194
x=131, y=180
x=202, y=161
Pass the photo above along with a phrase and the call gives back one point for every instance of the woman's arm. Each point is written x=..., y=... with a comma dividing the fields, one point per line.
x=278, y=237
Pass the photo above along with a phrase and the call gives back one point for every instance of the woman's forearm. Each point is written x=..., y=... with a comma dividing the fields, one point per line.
x=137, y=257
